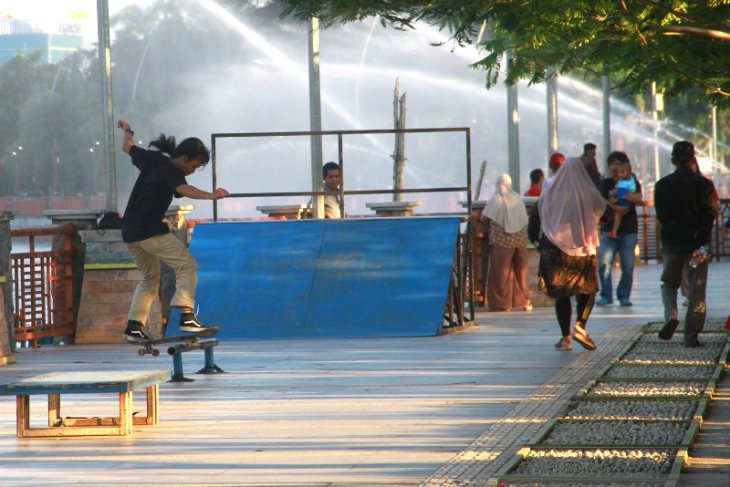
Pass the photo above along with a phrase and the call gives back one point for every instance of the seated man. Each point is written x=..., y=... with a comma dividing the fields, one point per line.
x=332, y=179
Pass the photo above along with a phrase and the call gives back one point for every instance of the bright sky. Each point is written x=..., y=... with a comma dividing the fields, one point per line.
x=50, y=13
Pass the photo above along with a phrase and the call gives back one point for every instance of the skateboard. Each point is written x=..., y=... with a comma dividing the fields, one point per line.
x=149, y=345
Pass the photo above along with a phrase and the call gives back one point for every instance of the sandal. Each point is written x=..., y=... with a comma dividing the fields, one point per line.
x=580, y=336
x=563, y=345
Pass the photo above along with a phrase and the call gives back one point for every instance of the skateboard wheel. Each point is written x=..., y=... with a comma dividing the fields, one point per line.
x=140, y=352
x=155, y=353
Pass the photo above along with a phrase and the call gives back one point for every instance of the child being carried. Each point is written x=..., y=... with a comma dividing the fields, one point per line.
x=626, y=184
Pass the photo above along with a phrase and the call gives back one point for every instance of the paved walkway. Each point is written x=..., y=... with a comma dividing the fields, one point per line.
x=433, y=411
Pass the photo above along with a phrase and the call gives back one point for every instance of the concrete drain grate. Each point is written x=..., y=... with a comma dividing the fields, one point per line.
x=633, y=424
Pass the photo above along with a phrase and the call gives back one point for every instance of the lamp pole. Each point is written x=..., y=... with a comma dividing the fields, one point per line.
x=606, y=116
x=315, y=119
x=513, y=128
x=552, y=112
x=105, y=63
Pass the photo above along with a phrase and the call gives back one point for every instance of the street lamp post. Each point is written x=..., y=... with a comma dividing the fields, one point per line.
x=105, y=62
x=315, y=119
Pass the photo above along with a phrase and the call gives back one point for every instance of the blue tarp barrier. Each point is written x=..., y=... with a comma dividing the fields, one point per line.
x=379, y=277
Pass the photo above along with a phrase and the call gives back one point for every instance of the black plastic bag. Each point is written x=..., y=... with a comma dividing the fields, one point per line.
x=110, y=221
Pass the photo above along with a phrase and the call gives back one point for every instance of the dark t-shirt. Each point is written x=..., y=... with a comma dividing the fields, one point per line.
x=151, y=195
x=682, y=203
x=629, y=221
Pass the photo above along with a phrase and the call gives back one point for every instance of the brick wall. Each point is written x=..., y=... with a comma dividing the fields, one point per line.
x=105, y=298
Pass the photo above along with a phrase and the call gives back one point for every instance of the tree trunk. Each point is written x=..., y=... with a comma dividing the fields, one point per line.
x=399, y=158
x=480, y=181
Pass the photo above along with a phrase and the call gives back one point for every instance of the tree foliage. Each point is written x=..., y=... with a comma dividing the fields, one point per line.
x=53, y=111
x=677, y=44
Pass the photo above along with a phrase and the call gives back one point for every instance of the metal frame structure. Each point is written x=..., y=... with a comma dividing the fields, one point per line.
x=462, y=282
x=341, y=161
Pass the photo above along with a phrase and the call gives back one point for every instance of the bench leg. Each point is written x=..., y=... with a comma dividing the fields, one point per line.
x=54, y=409
x=125, y=413
x=153, y=403
x=22, y=411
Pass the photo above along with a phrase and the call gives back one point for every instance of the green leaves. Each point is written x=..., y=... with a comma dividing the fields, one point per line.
x=634, y=41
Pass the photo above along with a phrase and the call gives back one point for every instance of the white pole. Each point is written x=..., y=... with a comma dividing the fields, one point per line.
x=655, y=119
x=606, y=117
x=105, y=63
x=315, y=119
x=713, y=145
x=552, y=113
x=513, y=135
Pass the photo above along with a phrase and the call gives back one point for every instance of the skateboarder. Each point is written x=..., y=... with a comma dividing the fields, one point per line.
x=162, y=176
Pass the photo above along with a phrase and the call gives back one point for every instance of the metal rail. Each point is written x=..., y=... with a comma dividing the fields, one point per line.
x=341, y=161
x=43, y=285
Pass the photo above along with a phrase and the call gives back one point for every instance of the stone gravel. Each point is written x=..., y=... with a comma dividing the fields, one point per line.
x=617, y=433
x=647, y=389
x=660, y=372
x=590, y=483
x=634, y=404
x=630, y=409
x=596, y=462
x=663, y=359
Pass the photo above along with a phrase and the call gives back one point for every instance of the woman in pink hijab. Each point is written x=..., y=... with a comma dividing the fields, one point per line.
x=564, y=229
x=505, y=216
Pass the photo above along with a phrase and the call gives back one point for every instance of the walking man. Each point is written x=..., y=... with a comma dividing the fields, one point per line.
x=683, y=206
x=625, y=242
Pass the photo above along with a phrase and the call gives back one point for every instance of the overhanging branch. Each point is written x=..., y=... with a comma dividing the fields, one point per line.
x=677, y=30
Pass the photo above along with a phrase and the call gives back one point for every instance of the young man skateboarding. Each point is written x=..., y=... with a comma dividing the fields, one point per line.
x=162, y=176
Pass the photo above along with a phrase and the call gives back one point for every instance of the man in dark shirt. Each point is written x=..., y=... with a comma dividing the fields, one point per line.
x=148, y=238
x=683, y=207
x=625, y=241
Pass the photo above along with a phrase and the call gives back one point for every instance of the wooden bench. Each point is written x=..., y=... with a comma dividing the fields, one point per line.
x=57, y=383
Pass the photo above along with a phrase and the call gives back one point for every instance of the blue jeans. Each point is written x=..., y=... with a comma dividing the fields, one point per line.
x=625, y=246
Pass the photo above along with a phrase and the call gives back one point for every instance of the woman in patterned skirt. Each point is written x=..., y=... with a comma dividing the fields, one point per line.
x=564, y=228
x=505, y=217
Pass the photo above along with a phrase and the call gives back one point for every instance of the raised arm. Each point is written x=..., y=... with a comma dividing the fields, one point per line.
x=128, y=140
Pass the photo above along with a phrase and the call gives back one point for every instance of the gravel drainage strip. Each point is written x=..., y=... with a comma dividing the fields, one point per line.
x=647, y=390
x=631, y=426
x=593, y=464
x=577, y=433
x=663, y=373
x=641, y=410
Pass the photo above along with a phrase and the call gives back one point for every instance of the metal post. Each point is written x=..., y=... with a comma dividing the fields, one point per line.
x=552, y=112
x=315, y=119
x=105, y=63
x=606, y=117
x=513, y=136
x=177, y=368
x=713, y=146
x=655, y=121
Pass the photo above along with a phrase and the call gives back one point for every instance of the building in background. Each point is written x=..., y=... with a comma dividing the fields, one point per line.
x=21, y=37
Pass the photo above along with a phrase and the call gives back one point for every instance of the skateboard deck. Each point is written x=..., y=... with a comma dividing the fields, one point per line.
x=148, y=347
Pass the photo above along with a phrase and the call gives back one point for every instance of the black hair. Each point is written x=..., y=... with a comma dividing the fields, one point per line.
x=328, y=167
x=192, y=147
x=683, y=152
x=588, y=146
x=619, y=157
x=536, y=175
